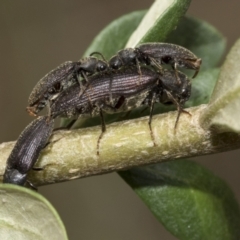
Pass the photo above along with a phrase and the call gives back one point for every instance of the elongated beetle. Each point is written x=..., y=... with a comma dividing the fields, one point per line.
x=126, y=91
x=127, y=94
x=51, y=84
x=61, y=78
x=156, y=54
x=175, y=55
x=27, y=149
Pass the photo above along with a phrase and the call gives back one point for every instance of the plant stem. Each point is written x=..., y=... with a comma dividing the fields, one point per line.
x=72, y=154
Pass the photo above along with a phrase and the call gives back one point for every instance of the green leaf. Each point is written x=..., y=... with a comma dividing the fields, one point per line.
x=201, y=38
x=188, y=199
x=160, y=20
x=223, y=112
x=26, y=215
x=202, y=87
x=115, y=36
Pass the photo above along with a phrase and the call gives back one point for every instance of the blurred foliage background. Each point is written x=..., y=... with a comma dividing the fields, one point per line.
x=38, y=36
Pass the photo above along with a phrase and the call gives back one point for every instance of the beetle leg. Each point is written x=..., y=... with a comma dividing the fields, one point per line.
x=82, y=88
x=103, y=130
x=197, y=65
x=110, y=90
x=37, y=168
x=32, y=186
x=179, y=108
x=196, y=73
x=155, y=63
x=153, y=100
x=139, y=71
x=176, y=73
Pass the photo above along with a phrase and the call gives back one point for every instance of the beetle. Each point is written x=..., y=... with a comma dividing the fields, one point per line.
x=27, y=149
x=169, y=92
x=174, y=94
x=51, y=84
x=156, y=54
x=61, y=78
x=126, y=92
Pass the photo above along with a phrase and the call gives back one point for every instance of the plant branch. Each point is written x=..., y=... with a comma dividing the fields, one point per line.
x=72, y=154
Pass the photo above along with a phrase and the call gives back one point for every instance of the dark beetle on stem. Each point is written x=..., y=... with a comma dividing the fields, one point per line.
x=173, y=93
x=170, y=92
x=51, y=84
x=156, y=54
x=61, y=78
x=27, y=149
x=126, y=93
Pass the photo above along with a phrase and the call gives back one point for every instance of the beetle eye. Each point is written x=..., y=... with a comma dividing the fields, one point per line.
x=166, y=59
x=57, y=86
x=101, y=67
x=51, y=90
x=184, y=93
x=115, y=62
x=115, y=66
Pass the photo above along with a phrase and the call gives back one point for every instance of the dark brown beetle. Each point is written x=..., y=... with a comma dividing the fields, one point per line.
x=127, y=93
x=170, y=92
x=173, y=93
x=61, y=78
x=51, y=84
x=156, y=54
x=27, y=149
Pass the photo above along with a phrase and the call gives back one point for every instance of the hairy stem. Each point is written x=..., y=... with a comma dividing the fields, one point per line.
x=72, y=154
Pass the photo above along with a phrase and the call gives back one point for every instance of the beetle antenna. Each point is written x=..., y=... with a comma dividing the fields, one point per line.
x=98, y=53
